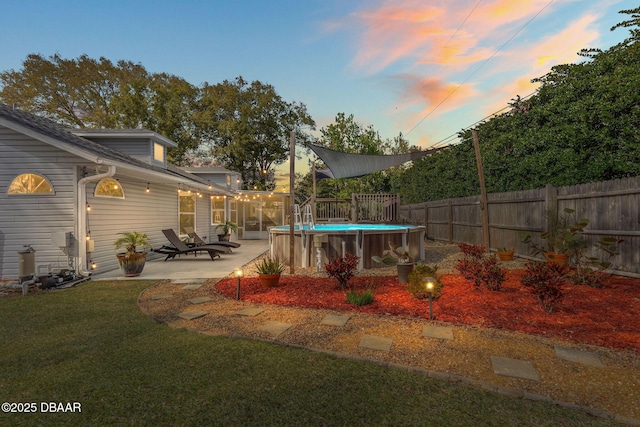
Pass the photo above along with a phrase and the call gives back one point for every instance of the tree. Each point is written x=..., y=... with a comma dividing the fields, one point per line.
x=247, y=128
x=89, y=93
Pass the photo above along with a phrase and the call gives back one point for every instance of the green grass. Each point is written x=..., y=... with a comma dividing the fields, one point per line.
x=92, y=345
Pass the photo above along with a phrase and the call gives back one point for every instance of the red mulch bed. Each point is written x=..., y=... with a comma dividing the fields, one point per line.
x=608, y=317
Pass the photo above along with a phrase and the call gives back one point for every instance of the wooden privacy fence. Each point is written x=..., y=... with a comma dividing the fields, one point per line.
x=612, y=207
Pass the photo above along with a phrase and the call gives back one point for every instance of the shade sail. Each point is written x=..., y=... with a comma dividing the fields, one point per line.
x=348, y=165
x=324, y=174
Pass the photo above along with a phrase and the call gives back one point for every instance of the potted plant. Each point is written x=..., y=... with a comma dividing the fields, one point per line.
x=132, y=260
x=226, y=228
x=505, y=254
x=564, y=237
x=269, y=270
x=399, y=256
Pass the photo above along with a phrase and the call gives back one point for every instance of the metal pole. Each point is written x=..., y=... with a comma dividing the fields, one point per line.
x=292, y=172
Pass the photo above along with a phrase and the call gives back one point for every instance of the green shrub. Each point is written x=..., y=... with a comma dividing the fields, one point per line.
x=418, y=288
x=360, y=298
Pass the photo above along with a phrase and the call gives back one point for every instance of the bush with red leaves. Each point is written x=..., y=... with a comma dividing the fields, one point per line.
x=475, y=266
x=343, y=269
x=545, y=280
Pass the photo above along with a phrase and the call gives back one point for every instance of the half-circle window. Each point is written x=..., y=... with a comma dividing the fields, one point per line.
x=30, y=183
x=108, y=187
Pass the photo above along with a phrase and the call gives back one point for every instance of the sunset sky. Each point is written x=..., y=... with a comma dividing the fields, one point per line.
x=424, y=68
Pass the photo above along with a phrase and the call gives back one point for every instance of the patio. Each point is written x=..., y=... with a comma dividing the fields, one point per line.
x=190, y=267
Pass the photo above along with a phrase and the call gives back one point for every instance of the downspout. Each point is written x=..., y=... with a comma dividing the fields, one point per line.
x=82, y=216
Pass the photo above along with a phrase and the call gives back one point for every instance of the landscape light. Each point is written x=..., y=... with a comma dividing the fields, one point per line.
x=429, y=283
x=238, y=274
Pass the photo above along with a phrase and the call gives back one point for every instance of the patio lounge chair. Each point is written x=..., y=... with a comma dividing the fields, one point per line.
x=179, y=247
x=199, y=241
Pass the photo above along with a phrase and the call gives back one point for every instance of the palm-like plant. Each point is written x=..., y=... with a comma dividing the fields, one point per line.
x=227, y=226
x=131, y=241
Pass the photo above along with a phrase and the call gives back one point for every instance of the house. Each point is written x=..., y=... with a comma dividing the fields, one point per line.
x=68, y=193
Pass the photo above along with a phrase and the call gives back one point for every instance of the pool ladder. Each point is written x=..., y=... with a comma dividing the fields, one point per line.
x=300, y=220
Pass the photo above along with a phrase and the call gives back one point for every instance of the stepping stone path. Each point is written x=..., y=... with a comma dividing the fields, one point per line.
x=187, y=281
x=578, y=356
x=440, y=332
x=194, y=314
x=274, y=328
x=505, y=366
x=251, y=311
x=373, y=342
x=514, y=368
x=200, y=300
x=335, y=320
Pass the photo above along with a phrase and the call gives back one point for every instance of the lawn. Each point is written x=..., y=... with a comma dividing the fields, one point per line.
x=92, y=345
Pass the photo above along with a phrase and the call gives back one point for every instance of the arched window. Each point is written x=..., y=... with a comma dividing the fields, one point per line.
x=109, y=187
x=30, y=183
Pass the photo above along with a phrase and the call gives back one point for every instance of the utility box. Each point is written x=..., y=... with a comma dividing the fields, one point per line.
x=91, y=246
x=26, y=262
x=61, y=239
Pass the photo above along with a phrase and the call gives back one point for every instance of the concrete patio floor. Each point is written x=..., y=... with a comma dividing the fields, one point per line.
x=192, y=267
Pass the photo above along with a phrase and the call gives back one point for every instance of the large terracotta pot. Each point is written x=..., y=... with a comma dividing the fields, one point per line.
x=269, y=280
x=403, y=272
x=556, y=257
x=133, y=264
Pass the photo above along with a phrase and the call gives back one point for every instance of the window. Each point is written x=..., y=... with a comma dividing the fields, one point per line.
x=187, y=212
x=158, y=152
x=109, y=187
x=30, y=183
x=217, y=210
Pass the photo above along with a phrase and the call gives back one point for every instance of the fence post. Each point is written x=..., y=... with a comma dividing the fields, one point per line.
x=484, y=205
x=450, y=221
x=551, y=205
x=354, y=207
x=426, y=220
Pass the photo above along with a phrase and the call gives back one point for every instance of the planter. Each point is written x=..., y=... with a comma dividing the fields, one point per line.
x=403, y=272
x=556, y=257
x=224, y=237
x=505, y=256
x=133, y=264
x=269, y=280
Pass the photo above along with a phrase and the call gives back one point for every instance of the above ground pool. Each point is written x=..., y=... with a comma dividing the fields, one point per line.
x=315, y=246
